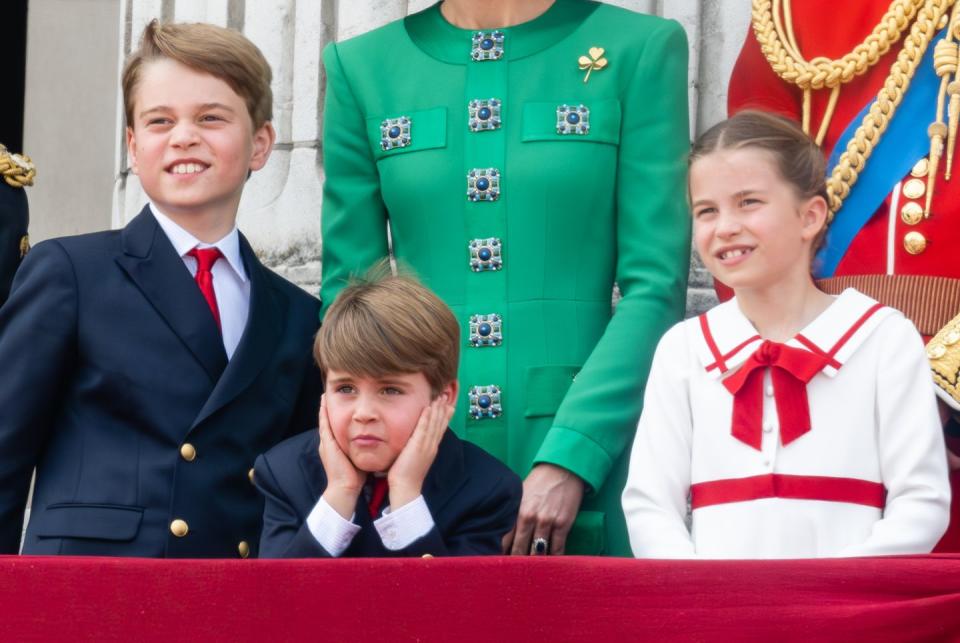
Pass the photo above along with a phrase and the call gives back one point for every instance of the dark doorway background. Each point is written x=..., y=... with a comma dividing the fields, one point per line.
x=13, y=32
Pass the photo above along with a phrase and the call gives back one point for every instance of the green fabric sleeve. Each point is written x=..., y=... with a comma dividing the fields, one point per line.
x=598, y=416
x=354, y=218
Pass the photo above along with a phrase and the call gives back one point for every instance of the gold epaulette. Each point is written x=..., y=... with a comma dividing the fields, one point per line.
x=944, y=354
x=17, y=169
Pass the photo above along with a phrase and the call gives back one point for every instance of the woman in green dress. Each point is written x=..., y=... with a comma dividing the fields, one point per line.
x=524, y=155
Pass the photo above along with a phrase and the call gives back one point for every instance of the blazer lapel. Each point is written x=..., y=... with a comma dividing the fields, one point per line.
x=268, y=309
x=152, y=263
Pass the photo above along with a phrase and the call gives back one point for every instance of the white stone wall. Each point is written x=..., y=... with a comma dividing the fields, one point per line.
x=280, y=212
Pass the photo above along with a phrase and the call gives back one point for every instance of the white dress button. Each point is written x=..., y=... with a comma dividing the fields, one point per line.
x=768, y=390
x=767, y=428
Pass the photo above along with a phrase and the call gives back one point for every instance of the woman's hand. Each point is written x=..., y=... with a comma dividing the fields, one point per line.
x=344, y=481
x=551, y=499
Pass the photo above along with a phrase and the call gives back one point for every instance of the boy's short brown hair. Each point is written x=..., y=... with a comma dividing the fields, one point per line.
x=223, y=53
x=384, y=324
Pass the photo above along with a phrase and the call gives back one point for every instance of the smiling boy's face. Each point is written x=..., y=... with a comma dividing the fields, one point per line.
x=372, y=418
x=192, y=142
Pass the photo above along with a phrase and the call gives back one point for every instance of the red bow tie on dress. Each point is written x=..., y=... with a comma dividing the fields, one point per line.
x=790, y=369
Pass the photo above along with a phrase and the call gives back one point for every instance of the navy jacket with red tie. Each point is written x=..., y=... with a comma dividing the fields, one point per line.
x=472, y=497
x=112, y=362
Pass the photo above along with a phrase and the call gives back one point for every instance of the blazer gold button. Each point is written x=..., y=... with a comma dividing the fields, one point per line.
x=952, y=337
x=912, y=213
x=921, y=168
x=188, y=452
x=243, y=548
x=250, y=475
x=914, y=242
x=179, y=528
x=427, y=556
x=914, y=189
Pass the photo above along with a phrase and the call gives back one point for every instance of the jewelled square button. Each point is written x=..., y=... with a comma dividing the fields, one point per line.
x=483, y=184
x=487, y=45
x=573, y=119
x=483, y=115
x=485, y=402
x=486, y=330
x=394, y=133
x=485, y=254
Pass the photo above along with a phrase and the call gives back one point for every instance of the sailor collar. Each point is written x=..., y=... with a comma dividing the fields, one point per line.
x=724, y=338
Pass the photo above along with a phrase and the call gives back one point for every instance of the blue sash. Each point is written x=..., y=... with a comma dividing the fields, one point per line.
x=903, y=144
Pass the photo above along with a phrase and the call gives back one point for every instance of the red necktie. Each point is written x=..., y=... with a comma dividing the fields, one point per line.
x=377, y=495
x=790, y=369
x=206, y=257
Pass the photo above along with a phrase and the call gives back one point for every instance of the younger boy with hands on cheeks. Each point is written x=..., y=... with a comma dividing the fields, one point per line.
x=383, y=476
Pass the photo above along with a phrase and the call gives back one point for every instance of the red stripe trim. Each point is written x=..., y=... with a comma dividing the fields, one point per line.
x=813, y=348
x=853, y=329
x=776, y=485
x=735, y=350
x=712, y=345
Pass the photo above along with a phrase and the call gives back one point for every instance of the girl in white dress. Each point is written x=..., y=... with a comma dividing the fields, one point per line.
x=786, y=422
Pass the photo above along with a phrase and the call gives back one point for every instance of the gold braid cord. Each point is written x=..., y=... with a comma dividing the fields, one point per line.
x=16, y=169
x=823, y=72
x=785, y=59
x=874, y=124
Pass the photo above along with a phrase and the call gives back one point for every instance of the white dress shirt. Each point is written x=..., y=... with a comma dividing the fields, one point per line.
x=230, y=281
x=873, y=422
x=397, y=529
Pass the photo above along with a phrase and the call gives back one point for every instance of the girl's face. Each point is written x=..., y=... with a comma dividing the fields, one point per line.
x=749, y=227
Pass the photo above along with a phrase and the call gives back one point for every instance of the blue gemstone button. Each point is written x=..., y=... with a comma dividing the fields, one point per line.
x=573, y=119
x=485, y=330
x=483, y=114
x=484, y=402
x=395, y=132
x=483, y=184
x=485, y=254
x=486, y=45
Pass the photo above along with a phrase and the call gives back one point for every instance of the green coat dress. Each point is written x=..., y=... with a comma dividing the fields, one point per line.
x=520, y=193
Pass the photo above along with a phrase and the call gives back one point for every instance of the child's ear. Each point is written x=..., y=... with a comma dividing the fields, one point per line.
x=263, y=140
x=814, y=215
x=132, y=149
x=449, y=392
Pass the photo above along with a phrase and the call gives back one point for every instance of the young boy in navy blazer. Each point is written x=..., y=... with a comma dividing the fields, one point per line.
x=384, y=476
x=146, y=367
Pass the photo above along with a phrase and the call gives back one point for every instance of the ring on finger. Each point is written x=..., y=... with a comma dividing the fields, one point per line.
x=540, y=546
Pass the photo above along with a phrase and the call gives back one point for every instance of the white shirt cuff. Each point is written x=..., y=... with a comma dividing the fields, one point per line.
x=410, y=522
x=330, y=529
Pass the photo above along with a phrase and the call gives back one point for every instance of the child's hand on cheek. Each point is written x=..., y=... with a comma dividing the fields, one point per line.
x=405, y=477
x=344, y=481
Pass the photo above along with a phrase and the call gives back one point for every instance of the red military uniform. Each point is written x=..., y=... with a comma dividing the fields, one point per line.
x=831, y=29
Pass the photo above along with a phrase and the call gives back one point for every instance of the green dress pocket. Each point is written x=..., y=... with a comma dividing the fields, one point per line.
x=427, y=130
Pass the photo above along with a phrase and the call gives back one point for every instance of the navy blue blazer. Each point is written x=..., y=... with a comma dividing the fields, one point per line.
x=472, y=496
x=112, y=364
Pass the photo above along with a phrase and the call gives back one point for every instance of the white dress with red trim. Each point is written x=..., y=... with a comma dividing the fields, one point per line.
x=826, y=445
